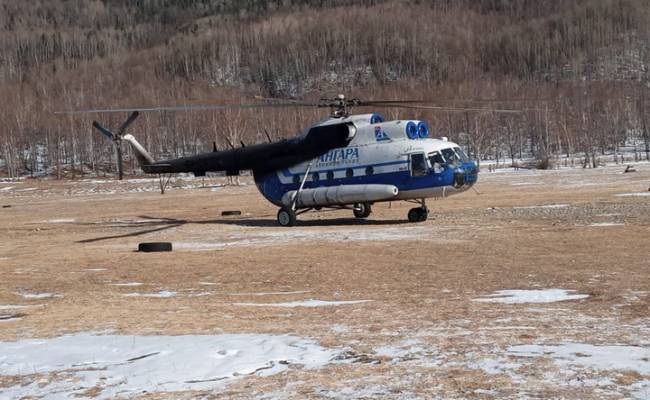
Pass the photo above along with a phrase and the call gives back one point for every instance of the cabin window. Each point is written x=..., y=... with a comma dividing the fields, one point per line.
x=315, y=177
x=330, y=175
x=418, y=164
x=296, y=178
x=436, y=161
x=349, y=172
x=370, y=170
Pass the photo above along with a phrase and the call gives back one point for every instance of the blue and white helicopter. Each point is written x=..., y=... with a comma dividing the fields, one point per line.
x=345, y=161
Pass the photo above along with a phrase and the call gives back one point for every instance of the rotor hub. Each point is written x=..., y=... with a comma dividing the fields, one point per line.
x=340, y=106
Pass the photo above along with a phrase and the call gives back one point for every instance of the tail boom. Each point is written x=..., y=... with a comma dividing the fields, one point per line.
x=142, y=155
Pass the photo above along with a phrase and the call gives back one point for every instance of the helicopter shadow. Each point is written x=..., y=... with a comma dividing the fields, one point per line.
x=158, y=224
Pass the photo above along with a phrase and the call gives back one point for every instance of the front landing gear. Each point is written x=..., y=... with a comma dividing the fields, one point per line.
x=286, y=217
x=419, y=214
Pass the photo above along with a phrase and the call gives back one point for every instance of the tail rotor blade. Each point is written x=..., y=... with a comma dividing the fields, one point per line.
x=103, y=130
x=128, y=122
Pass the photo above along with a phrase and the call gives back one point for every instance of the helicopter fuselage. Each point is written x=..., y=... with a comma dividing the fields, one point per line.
x=395, y=154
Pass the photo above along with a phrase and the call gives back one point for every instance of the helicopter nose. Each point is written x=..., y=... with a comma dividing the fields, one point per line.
x=471, y=173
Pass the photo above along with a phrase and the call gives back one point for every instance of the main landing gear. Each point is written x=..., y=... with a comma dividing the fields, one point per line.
x=361, y=210
x=286, y=216
x=419, y=214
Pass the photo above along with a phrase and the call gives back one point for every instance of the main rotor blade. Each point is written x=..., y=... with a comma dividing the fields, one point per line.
x=452, y=109
x=382, y=102
x=190, y=107
x=103, y=130
x=442, y=101
x=128, y=122
x=505, y=100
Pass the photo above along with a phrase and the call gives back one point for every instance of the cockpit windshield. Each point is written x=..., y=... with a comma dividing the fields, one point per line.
x=454, y=155
x=450, y=155
x=461, y=154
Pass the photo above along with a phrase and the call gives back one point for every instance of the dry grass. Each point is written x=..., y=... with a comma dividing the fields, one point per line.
x=421, y=286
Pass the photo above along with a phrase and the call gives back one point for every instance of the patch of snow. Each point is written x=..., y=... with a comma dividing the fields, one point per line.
x=161, y=294
x=339, y=328
x=304, y=303
x=95, y=269
x=531, y=296
x=606, y=224
x=544, y=206
x=60, y=221
x=122, y=182
x=206, y=246
x=128, y=284
x=268, y=293
x=490, y=392
x=127, y=366
x=200, y=294
x=363, y=392
x=507, y=328
x=641, y=390
x=639, y=194
x=494, y=366
x=18, y=306
x=208, y=283
x=407, y=350
x=6, y=189
x=613, y=357
x=525, y=183
x=39, y=295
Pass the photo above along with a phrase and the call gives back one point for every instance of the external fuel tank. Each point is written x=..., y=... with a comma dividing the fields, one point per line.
x=340, y=195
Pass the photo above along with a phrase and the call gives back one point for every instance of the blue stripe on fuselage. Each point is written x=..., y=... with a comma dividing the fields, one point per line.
x=286, y=173
x=273, y=189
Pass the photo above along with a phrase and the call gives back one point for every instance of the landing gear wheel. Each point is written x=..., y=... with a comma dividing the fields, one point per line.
x=286, y=217
x=418, y=214
x=424, y=214
x=362, y=210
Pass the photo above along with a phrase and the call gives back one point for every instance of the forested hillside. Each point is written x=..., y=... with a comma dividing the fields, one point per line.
x=583, y=62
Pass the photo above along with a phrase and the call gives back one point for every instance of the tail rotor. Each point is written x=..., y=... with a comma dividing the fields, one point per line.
x=117, y=138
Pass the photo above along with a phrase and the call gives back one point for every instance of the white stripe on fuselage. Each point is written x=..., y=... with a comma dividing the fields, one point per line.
x=385, y=157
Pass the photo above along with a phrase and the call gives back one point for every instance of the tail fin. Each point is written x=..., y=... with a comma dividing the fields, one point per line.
x=143, y=156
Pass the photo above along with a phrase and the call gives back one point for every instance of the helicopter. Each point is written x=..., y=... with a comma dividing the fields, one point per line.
x=345, y=161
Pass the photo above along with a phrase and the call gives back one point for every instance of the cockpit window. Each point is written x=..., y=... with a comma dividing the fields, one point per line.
x=461, y=154
x=436, y=161
x=450, y=155
x=436, y=157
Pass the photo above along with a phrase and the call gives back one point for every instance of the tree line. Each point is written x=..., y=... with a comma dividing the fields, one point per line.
x=577, y=71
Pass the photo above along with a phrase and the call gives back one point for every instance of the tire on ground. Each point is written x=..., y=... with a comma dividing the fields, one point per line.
x=151, y=247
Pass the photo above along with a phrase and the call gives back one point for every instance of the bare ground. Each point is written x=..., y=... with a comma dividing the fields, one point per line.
x=76, y=240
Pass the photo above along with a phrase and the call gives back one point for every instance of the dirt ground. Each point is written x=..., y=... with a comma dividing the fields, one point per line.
x=567, y=229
